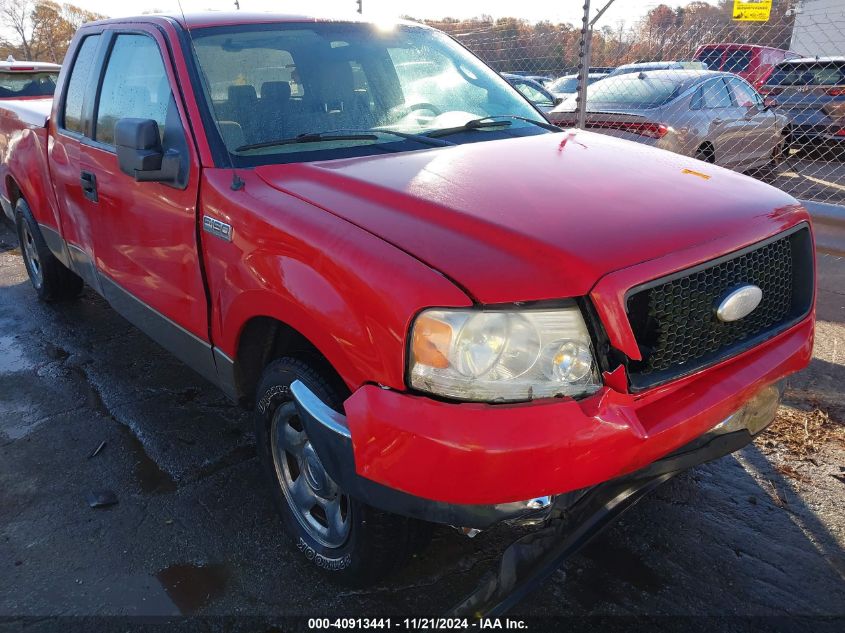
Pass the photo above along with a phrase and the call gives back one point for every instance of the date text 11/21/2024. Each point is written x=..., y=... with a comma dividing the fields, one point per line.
x=415, y=624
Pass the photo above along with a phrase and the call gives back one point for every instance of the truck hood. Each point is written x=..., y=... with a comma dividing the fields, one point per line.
x=539, y=217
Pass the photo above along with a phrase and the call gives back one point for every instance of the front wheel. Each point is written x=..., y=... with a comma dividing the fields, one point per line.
x=351, y=542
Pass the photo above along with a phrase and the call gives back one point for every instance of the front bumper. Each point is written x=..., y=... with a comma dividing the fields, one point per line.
x=474, y=464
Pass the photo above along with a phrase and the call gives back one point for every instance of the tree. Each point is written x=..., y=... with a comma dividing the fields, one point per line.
x=43, y=29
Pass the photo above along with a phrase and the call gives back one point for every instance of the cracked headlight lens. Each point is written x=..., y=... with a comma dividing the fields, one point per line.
x=502, y=356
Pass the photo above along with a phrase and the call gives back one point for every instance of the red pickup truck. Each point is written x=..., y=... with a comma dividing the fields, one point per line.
x=441, y=308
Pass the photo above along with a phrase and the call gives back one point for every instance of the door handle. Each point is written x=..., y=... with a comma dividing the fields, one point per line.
x=89, y=185
x=718, y=121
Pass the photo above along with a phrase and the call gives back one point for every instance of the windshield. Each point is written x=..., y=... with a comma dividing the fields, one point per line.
x=267, y=83
x=27, y=84
x=564, y=85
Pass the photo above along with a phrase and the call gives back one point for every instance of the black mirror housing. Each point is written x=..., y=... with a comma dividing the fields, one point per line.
x=140, y=154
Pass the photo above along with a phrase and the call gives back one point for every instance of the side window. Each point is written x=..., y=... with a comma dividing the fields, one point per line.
x=697, y=100
x=533, y=95
x=75, y=93
x=743, y=94
x=714, y=94
x=135, y=85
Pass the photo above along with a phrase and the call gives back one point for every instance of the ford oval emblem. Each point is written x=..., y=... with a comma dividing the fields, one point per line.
x=739, y=303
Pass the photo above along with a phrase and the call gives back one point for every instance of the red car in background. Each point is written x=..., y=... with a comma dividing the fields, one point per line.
x=751, y=62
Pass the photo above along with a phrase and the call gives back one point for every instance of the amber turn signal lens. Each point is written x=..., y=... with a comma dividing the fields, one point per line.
x=431, y=342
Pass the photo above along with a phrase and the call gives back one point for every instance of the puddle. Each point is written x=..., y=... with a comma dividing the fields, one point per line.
x=192, y=587
x=149, y=475
x=12, y=358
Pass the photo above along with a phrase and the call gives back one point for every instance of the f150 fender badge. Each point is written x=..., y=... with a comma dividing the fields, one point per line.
x=739, y=303
x=217, y=228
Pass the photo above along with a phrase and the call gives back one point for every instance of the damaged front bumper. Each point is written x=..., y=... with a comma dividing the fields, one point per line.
x=329, y=433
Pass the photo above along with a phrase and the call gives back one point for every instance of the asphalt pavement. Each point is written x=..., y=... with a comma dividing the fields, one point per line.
x=89, y=406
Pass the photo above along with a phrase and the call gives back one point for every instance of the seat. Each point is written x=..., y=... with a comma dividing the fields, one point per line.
x=274, y=109
x=334, y=99
x=242, y=108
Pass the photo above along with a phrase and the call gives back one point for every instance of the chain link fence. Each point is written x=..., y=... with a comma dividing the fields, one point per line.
x=771, y=102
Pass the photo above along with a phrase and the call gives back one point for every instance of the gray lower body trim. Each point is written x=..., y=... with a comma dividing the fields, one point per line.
x=188, y=348
x=56, y=243
x=211, y=363
x=226, y=374
x=81, y=264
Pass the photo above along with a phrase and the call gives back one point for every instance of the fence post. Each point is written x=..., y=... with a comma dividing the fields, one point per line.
x=583, y=67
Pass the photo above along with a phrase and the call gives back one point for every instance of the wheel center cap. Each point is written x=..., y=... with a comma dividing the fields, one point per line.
x=312, y=469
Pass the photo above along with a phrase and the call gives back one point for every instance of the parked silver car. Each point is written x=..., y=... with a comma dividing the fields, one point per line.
x=714, y=116
x=566, y=86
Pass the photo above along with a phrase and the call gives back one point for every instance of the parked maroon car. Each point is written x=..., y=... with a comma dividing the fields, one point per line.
x=751, y=62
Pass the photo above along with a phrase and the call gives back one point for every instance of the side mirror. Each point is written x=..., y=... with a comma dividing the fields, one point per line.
x=139, y=152
x=770, y=102
x=558, y=100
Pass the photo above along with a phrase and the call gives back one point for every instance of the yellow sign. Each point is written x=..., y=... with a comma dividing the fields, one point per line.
x=752, y=10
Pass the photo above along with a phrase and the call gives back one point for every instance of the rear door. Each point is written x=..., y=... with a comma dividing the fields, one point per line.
x=145, y=233
x=70, y=128
x=759, y=132
x=719, y=120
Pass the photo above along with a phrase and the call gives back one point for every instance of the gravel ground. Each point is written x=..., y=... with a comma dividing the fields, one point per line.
x=759, y=533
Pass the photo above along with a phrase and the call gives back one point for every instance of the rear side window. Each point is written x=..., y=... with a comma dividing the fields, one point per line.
x=135, y=85
x=714, y=94
x=809, y=74
x=743, y=94
x=75, y=93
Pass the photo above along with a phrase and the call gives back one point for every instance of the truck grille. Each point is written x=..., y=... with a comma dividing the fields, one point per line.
x=674, y=318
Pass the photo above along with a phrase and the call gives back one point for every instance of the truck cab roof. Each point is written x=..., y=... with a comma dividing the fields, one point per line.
x=203, y=19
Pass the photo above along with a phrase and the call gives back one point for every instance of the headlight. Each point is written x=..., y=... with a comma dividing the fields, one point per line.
x=502, y=356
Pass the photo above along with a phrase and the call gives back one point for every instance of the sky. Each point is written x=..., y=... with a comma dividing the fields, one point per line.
x=533, y=10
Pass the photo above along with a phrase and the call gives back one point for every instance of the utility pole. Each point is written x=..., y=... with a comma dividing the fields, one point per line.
x=584, y=61
x=360, y=6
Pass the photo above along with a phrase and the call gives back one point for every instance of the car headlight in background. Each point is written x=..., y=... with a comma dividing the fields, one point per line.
x=502, y=356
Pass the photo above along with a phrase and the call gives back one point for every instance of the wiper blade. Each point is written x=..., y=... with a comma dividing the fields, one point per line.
x=343, y=135
x=309, y=138
x=490, y=121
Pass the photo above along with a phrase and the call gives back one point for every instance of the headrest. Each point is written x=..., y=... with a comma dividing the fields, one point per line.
x=333, y=81
x=242, y=93
x=275, y=90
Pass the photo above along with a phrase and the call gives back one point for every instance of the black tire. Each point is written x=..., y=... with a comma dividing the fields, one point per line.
x=706, y=153
x=377, y=542
x=771, y=170
x=52, y=280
